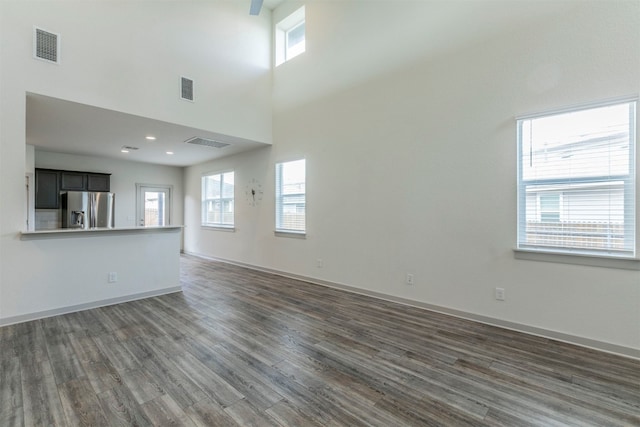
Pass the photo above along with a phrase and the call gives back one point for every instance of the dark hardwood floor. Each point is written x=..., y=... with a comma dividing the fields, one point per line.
x=240, y=347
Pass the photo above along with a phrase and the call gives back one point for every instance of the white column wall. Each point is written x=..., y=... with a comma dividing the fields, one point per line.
x=125, y=56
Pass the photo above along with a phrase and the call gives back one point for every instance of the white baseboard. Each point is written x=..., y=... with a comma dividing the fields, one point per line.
x=86, y=306
x=519, y=327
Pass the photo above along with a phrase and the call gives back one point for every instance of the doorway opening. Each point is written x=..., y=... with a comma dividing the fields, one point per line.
x=153, y=206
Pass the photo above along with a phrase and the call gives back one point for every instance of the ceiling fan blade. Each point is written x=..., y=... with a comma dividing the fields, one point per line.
x=256, y=5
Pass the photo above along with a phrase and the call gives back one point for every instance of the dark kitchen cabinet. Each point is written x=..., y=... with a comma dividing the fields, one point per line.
x=98, y=182
x=47, y=189
x=50, y=182
x=84, y=181
x=73, y=181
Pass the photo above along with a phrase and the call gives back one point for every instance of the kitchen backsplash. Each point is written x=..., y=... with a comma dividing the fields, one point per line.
x=48, y=219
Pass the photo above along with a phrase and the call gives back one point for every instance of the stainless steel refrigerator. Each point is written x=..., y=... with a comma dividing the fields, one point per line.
x=86, y=209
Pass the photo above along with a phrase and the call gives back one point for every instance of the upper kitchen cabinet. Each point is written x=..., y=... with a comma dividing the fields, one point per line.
x=98, y=182
x=50, y=182
x=84, y=181
x=73, y=181
x=47, y=189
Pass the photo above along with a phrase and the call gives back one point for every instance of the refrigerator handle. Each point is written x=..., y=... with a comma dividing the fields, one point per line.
x=93, y=220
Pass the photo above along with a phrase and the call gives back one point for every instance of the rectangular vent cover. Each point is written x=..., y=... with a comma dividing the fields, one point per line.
x=206, y=142
x=46, y=45
x=186, y=89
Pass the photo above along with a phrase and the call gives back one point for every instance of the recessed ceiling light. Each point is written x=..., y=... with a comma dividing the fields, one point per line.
x=150, y=138
x=169, y=152
x=124, y=150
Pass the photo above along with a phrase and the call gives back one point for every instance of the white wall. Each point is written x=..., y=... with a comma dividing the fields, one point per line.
x=124, y=177
x=415, y=171
x=70, y=272
x=253, y=225
x=126, y=56
x=129, y=56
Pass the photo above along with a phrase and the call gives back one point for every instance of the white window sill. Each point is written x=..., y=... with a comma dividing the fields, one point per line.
x=291, y=234
x=578, y=259
x=229, y=228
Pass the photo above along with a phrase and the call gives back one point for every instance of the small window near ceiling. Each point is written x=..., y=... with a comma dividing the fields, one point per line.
x=218, y=200
x=290, y=36
x=577, y=181
x=291, y=197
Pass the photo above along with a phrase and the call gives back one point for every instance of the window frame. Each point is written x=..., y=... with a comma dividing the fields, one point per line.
x=630, y=212
x=282, y=49
x=280, y=230
x=288, y=49
x=222, y=200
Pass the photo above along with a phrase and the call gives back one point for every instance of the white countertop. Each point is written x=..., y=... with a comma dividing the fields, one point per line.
x=74, y=232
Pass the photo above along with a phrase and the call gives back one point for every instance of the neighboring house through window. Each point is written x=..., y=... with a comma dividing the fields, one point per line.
x=291, y=196
x=549, y=207
x=576, y=181
x=218, y=200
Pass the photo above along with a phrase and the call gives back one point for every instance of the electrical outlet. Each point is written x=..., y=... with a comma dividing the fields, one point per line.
x=319, y=263
x=113, y=277
x=500, y=294
x=409, y=279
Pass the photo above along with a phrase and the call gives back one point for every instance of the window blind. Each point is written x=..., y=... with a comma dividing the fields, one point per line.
x=576, y=181
x=218, y=199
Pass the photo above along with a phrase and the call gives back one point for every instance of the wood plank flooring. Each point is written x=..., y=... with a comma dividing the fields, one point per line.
x=243, y=348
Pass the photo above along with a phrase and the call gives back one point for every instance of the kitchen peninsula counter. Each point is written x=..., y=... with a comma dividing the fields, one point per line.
x=74, y=232
x=72, y=270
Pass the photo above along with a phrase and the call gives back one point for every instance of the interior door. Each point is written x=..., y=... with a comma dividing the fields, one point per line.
x=154, y=205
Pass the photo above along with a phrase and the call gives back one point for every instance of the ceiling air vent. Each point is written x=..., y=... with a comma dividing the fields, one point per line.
x=186, y=89
x=46, y=45
x=206, y=142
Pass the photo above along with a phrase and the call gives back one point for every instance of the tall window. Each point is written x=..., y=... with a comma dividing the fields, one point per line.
x=291, y=196
x=576, y=181
x=290, y=36
x=218, y=199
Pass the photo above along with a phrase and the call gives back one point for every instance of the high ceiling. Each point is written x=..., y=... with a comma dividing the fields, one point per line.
x=271, y=4
x=353, y=40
